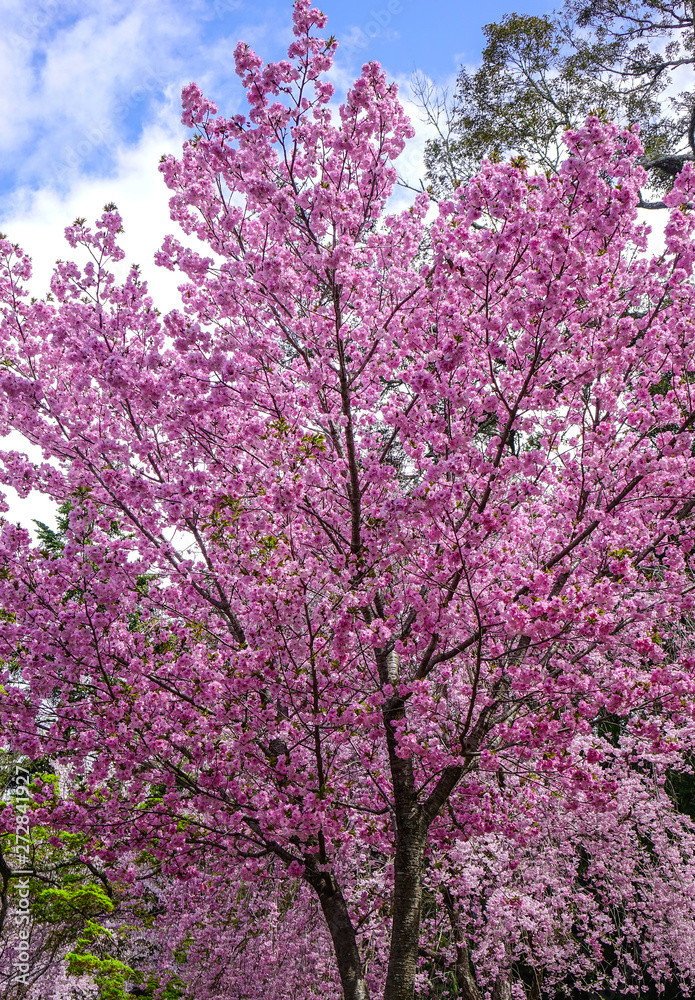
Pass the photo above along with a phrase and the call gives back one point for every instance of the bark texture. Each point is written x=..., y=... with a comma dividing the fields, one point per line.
x=343, y=935
x=407, y=905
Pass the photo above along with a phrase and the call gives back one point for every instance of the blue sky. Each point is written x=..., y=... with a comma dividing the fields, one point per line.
x=86, y=79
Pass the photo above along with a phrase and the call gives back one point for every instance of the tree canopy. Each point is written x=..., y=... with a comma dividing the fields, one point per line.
x=360, y=662
x=542, y=75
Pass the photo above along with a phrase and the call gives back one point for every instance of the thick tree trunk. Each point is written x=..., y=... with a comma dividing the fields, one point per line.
x=407, y=904
x=343, y=936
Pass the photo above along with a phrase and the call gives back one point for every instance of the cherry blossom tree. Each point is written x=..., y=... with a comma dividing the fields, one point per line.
x=388, y=524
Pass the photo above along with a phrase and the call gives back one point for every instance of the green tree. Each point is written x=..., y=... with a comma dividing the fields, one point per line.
x=540, y=76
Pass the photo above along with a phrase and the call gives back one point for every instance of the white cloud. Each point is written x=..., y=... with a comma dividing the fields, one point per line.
x=411, y=164
x=37, y=225
x=136, y=187
x=75, y=80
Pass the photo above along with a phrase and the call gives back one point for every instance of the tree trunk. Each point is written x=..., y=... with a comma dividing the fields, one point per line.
x=502, y=989
x=407, y=903
x=466, y=982
x=465, y=977
x=343, y=936
x=411, y=834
